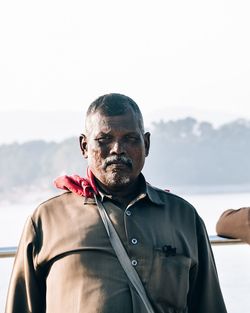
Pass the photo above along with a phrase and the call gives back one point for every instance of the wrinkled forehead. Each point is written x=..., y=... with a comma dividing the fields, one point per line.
x=101, y=122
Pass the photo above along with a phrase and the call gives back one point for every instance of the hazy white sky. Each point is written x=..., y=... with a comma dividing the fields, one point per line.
x=174, y=58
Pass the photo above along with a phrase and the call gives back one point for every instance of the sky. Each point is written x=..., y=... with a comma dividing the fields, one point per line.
x=174, y=58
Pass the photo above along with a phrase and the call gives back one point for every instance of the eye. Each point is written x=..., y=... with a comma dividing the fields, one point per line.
x=132, y=138
x=103, y=139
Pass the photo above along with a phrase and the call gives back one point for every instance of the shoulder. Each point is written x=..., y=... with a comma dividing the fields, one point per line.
x=180, y=212
x=167, y=197
x=56, y=205
x=176, y=207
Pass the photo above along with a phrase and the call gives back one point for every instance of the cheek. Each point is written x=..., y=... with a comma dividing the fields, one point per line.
x=96, y=156
x=138, y=157
x=138, y=153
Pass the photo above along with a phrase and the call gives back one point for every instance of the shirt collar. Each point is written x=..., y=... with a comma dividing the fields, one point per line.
x=146, y=190
x=153, y=195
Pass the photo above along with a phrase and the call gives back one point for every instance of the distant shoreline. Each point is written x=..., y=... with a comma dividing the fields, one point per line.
x=38, y=195
x=208, y=189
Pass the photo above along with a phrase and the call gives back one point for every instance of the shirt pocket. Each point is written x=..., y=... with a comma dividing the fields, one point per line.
x=168, y=283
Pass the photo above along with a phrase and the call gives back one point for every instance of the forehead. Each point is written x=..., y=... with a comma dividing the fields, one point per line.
x=99, y=122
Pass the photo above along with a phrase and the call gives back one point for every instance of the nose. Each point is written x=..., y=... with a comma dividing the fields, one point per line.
x=117, y=148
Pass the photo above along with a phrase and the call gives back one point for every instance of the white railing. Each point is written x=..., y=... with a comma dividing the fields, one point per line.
x=10, y=252
x=217, y=240
x=7, y=252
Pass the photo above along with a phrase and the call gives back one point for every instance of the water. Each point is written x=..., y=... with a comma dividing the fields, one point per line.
x=232, y=261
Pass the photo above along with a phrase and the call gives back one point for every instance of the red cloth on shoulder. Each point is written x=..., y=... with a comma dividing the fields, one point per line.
x=82, y=186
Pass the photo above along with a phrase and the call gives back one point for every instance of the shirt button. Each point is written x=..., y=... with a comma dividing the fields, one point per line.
x=134, y=241
x=128, y=213
x=134, y=262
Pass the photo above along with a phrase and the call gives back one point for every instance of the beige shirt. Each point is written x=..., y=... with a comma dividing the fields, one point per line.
x=235, y=224
x=65, y=263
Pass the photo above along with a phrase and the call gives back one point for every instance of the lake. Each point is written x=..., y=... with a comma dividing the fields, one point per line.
x=232, y=261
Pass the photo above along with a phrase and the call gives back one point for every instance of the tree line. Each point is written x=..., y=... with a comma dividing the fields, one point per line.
x=183, y=152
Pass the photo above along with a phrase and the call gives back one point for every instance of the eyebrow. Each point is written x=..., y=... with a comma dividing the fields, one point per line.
x=102, y=133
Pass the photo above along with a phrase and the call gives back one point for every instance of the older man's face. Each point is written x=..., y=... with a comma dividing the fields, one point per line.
x=115, y=148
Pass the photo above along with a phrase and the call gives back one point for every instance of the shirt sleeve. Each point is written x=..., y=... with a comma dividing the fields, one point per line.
x=205, y=294
x=235, y=224
x=26, y=292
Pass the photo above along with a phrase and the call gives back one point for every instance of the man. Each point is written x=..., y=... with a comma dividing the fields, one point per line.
x=235, y=224
x=65, y=262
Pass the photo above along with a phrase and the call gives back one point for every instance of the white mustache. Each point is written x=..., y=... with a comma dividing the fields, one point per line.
x=117, y=160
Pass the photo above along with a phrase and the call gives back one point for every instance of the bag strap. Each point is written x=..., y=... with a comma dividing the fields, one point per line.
x=123, y=257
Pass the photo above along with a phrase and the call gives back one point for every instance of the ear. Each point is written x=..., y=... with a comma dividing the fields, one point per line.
x=83, y=145
x=147, y=143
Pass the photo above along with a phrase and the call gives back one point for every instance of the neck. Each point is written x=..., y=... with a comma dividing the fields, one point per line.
x=123, y=194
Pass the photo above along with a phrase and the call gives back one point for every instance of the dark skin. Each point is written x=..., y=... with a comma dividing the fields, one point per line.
x=116, y=147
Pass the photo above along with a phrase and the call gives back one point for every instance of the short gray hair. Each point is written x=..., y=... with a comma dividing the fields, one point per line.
x=115, y=104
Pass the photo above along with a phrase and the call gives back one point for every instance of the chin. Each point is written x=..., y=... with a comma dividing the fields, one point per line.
x=117, y=181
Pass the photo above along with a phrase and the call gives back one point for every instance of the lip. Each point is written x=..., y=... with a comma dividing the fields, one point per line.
x=118, y=166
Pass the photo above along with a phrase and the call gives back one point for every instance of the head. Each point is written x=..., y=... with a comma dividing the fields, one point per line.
x=114, y=142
